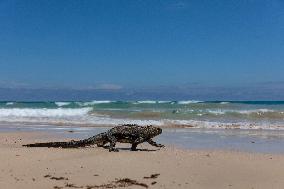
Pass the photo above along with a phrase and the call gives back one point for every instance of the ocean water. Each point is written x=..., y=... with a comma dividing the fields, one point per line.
x=254, y=115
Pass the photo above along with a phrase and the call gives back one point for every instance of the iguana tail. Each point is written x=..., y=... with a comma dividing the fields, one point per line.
x=71, y=144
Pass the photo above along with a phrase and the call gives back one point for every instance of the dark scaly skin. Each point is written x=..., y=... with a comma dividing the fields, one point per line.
x=97, y=139
x=132, y=134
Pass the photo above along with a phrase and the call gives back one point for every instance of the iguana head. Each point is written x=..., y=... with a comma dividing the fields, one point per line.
x=153, y=131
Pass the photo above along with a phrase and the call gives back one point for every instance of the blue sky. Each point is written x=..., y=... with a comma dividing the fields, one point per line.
x=110, y=44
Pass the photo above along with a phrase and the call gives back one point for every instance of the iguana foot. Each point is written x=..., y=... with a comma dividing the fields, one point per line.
x=113, y=150
x=134, y=146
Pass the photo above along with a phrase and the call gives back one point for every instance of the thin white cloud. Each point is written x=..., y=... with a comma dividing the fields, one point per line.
x=177, y=5
x=13, y=84
x=108, y=86
x=104, y=86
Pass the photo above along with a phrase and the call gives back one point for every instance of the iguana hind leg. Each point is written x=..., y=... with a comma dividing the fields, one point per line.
x=134, y=146
x=101, y=144
x=113, y=141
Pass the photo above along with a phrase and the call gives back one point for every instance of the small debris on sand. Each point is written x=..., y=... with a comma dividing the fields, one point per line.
x=119, y=183
x=55, y=178
x=154, y=183
x=58, y=178
x=57, y=187
x=129, y=182
x=72, y=186
x=153, y=176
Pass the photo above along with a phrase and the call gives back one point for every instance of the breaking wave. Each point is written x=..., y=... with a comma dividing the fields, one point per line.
x=60, y=104
x=166, y=102
x=146, y=102
x=43, y=112
x=94, y=102
x=246, y=112
x=108, y=121
x=190, y=113
x=189, y=102
x=224, y=102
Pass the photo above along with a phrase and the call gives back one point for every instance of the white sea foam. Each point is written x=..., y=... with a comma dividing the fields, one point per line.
x=42, y=112
x=60, y=104
x=101, y=101
x=258, y=111
x=217, y=112
x=203, y=116
x=94, y=102
x=225, y=125
x=245, y=112
x=164, y=101
x=9, y=103
x=146, y=102
x=224, y=102
x=82, y=118
x=189, y=102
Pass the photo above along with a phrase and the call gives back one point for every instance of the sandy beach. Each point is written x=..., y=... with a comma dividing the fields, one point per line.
x=94, y=167
x=200, y=81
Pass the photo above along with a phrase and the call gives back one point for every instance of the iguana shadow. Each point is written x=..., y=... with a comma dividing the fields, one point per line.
x=138, y=149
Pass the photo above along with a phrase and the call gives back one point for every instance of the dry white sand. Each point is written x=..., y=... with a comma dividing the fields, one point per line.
x=88, y=168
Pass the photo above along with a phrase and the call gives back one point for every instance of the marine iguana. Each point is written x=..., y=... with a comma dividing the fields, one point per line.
x=128, y=133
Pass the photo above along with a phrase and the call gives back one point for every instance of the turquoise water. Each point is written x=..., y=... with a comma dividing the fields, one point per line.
x=191, y=113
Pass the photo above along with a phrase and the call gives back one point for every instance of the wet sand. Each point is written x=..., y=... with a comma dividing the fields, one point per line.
x=95, y=167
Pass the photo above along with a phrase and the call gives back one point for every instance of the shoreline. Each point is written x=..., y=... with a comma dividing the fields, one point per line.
x=256, y=141
x=230, y=126
x=95, y=167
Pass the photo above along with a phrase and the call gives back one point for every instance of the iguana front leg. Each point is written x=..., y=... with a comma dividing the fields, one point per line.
x=153, y=143
x=112, y=140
